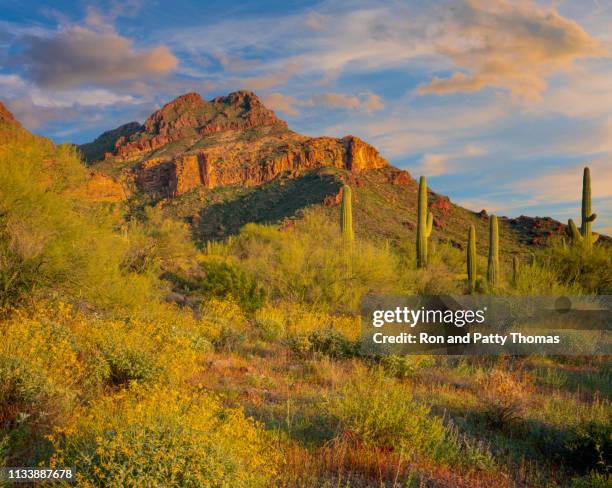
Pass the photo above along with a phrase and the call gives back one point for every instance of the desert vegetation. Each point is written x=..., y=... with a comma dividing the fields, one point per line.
x=141, y=359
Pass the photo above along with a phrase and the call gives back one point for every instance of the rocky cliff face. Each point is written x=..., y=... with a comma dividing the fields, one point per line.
x=6, y=116
x=232, y=140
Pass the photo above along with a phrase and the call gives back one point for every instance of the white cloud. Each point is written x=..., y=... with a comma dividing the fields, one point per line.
x=282, y=103
x=514, y=46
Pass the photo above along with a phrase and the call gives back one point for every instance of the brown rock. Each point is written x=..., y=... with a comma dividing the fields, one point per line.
x=333, y=200
x=102, y=188
x=400, y=178
x=442, y=204
x=232, y=140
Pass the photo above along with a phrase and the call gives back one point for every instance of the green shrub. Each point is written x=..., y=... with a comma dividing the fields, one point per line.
x=156, y=243
x=306, y=265
x=270, y=326
x=588, y=447
x=383, y=413
x=574, y=267
x=128, y=365
x=329, y=343
x=228, y=322
x=23, y=393
x=52, y=240
x=223, y=280
x=592, y=480
x=397, y=366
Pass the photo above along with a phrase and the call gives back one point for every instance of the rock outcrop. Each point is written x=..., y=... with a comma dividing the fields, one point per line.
x=6, y=116
x=105, y=144
x=231, y=140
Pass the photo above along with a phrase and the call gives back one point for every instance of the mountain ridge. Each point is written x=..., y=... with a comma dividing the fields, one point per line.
x=205, y=148
x=229, y=140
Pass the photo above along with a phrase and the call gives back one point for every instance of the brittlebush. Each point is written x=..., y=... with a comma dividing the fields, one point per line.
x=164, y=437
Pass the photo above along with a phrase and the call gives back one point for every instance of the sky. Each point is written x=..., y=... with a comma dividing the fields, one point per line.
x=499, y=103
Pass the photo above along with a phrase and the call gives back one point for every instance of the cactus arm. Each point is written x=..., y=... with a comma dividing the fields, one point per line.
x=591, y=217
x=573, y=231
x=346, y=221
x=471, y=258
x=515, y=270
x=493, y=266
x=429, y=224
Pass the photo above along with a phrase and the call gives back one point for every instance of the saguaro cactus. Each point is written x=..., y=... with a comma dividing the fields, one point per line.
x=515, y=269
x=584, y=236
x=346, y=221
x=471, y=258
x=424, y=224
x=493, y=268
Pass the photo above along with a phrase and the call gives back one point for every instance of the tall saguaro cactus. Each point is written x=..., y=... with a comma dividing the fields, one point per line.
x=493, y=267
x=346, y=221
x=424, y=224
x=515, y=270
x=471, y=258
x=584, y=236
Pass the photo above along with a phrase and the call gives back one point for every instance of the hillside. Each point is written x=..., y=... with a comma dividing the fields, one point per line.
x=222, y=163
x=241, y=362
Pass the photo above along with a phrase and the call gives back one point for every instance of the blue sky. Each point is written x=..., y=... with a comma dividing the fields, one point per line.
x=499, y=103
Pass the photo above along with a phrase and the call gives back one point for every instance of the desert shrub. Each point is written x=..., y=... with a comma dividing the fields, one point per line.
x=52, y=241
x=163, y=437
x=270, y=323
x=328, y=342
x=224, y=280
x=125, y=366
x=538, y=278
x=385, y=414
x=505, y=397
x=156, y=243
x=307, y=265
x=226, y=321
x=575, y=268
x=23, y=393
x=592, y=480
x=397, y=366
x=33, y=394
x=588, y=447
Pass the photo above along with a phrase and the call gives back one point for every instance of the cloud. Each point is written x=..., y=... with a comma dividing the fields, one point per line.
x=270, y=80
x=93, y=54
x=283, y=103
x=236, y=63
x=565, y=184
x=373, y=102
x=332, y=99
x=513, y=46
x=34, y=106
x=367, y=102
x=315, y=21
x=435, y=164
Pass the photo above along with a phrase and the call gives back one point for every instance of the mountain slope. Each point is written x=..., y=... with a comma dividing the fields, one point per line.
x=222, y=163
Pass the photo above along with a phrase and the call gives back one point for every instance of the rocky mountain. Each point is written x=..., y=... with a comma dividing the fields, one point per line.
x=222, y=163
x=231, y=140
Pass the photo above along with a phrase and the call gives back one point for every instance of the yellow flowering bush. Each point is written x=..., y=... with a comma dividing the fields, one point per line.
x=225, y=321
x=164, y=437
